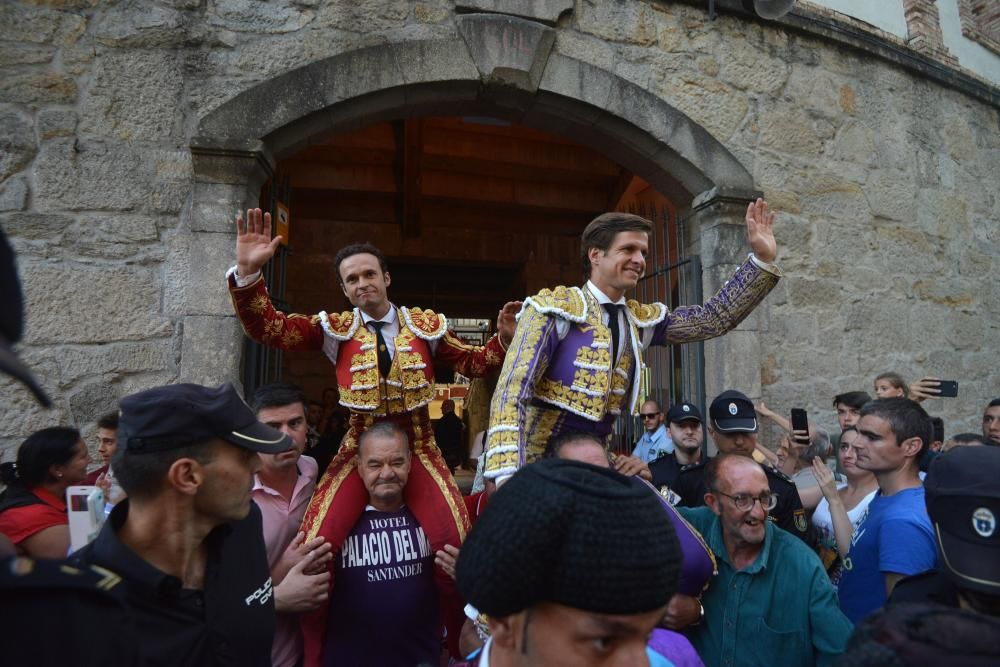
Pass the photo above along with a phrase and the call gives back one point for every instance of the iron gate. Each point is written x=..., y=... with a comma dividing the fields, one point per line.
x=262, y=364
x=673, y=278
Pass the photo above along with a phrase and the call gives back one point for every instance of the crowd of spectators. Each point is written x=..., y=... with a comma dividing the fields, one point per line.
x=794, y=561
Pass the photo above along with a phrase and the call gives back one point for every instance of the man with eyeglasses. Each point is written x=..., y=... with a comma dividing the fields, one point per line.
x=654, y=442
x=771, y=590
x=733, y=427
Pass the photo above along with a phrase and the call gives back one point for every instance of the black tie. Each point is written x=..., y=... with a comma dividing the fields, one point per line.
x=384, y=360
x=613, y=309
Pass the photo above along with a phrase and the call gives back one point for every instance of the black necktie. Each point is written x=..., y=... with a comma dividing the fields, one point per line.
x=384, y=360
x=613, y=309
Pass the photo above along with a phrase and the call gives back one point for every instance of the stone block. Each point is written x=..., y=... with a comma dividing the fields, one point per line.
x=255, y=17
x=195, y=282
x=425, y=12
x=142, y=24
x=812, y=293
x=21, y=415
x=36, y=226
x=216, y=206
x=942, y=214
x=14, y=53
x=93, y=399
x=631, y=23
x=508, y=51
x=78, y=362
x=38, y=89
x=14, y=193
x=79, y=303
x=792, y=130
x=746, y=66
x=17, y=143
x=125, y=99
x=733, y=361
x=56, y=123
x=116, y=236
x=855, y=142
x=717, y=107
x=211, y=350
x=72, y=176
x=375, y=15
x=891, y=194
x=543, y=10
x=76, y=59
x=41, y=25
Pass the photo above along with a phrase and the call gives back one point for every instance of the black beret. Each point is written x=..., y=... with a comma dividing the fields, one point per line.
x=573, y=534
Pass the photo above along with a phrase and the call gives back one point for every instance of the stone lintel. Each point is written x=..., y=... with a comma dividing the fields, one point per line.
x=234, y=162
x=548, y=11
x=508, y=51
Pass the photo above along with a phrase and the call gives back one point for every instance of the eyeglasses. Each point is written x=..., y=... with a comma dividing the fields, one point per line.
x=745, y=503
x=650, y=415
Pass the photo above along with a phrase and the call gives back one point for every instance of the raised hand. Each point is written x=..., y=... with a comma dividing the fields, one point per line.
x=925, y=388
x=824, y=478
x=254, y=245
x=507, y=321
x=760, y=231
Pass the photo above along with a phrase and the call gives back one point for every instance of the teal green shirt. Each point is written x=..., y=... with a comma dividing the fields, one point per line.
x=780, y=610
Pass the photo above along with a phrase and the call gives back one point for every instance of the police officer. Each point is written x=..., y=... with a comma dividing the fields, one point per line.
x=684, y=425
x=963, y=502
x=733, y=428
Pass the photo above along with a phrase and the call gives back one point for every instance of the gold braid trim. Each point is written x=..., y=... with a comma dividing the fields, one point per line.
x=447, y=487
x=319, y=506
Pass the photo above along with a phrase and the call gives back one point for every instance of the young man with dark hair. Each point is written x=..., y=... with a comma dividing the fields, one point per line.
x=282, y=490
x=686, y=432
x=384, y=358
x=895, y=539
x=187, y=542
x=576, y=359
x=848, y=406
x=991, y=420
x=107, y=443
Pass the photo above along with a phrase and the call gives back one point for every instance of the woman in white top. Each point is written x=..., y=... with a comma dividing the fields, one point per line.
x=843, y=506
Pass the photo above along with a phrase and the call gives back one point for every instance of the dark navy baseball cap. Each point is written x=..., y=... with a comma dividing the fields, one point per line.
x=683, y=411
x=733, y=412
x=963, y=502
x=179, y=415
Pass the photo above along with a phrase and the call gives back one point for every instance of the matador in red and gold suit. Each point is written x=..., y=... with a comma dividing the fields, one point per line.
x=384, y=358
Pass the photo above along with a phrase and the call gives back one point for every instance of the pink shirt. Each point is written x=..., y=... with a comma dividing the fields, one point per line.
x=281, y=523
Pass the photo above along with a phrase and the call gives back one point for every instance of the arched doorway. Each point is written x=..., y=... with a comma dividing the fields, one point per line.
x=499, y=68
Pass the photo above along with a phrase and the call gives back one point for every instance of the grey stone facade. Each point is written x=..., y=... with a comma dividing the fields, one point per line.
x=131, y=132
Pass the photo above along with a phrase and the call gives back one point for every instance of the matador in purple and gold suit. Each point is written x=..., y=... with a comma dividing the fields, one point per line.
x=559, y=376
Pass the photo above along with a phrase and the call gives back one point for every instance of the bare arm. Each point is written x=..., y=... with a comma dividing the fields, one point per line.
x=51, y=542
x=842, y=528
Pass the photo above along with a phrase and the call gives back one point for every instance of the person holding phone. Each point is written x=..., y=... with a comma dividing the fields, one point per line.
x=33, y=508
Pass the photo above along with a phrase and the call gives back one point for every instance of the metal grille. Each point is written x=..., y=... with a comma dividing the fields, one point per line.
x=672, y=277
x=262, y=364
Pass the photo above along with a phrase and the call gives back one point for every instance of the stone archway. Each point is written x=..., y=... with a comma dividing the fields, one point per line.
x=498, y=65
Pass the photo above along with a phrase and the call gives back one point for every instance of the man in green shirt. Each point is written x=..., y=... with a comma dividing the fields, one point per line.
x=771, y=603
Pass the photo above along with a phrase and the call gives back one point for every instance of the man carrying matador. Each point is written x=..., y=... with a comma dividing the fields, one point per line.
x=384, y=360
x=576, y=359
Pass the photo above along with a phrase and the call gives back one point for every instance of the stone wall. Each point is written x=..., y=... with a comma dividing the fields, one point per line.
x=889, y=221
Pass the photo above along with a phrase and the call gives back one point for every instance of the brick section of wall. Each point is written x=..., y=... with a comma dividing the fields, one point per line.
x=924, y=26
x=981, y=22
